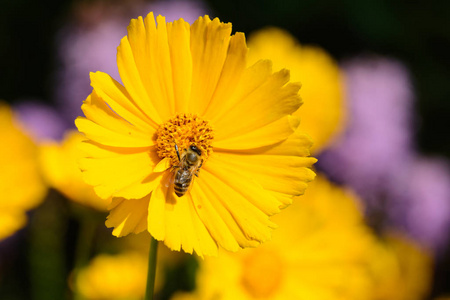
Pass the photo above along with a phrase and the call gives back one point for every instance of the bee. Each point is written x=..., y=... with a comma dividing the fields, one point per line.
x=190, y=163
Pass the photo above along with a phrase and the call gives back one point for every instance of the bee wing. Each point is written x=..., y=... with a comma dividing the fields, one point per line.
x=170, y=195
x=170, y=182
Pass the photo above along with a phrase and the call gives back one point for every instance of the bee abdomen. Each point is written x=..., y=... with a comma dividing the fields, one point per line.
x=182, y=182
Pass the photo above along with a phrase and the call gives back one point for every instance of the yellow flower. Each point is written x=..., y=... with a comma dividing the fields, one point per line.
x=322, y=116
x=190, y=86
x=60, y=170
x=402, y=270
x=111, y=277
x=21, y=187
x=320, y=251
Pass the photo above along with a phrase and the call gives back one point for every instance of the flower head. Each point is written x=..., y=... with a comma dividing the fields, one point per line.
x=21, y=186
x=191, y=114
x=109, y=277
x=60, y=170
x=401, y=269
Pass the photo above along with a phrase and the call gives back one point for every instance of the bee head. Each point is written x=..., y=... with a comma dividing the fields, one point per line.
x=195, y=149
x=194, y=154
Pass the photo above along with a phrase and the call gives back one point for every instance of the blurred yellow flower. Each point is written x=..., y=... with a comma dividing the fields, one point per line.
x=60, y=169
x=323, y=114
x=21, y=186
x=114, y=277
x=190, y=86
x=320, y=251
x=402, y=270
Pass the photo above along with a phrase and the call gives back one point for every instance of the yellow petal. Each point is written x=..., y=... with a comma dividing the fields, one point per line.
x=97, y=111
x=271, y=100
x=158, y=80
x=175, y=221
x=243, y=182
x=163, y=165
x=120, y=101
x=180, y=54
x=209, y=48
x=120, y=175
x=250, y=80
x=128, y=216
x=231, y=75
x=270, y=134
x=136, y=66
x=216, y=220
x=254, y=223
x=110, y=137
x=323, y=114
x=276, y=168
x=221, y=222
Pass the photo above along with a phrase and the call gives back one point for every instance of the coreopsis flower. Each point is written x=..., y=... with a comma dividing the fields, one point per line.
x=114, y=277
x=321, y=250
x=188, y=94
x=59, y=166
x=401, y=268
x=323, y=114
x=21, y=185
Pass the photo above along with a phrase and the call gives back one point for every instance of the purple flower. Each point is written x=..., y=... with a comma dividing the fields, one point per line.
x=40, y=121
x=422, y=193
x=378, y=140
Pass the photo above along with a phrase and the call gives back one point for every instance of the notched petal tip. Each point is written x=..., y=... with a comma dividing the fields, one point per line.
x=294, y=122
x=162, y=166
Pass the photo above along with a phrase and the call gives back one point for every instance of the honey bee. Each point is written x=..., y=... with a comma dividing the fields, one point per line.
x=190, y=163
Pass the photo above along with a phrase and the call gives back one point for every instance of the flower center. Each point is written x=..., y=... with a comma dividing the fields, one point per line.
x=262, y=272
x=184, y=130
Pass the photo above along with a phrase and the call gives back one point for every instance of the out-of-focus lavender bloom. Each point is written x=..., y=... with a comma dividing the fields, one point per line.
x=376, y=155
x=40, y=121
x=176, y=9
x=378, y=140
x=89, y=44
x=422, y=193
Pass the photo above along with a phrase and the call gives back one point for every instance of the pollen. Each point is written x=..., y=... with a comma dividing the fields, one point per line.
x=184, y=130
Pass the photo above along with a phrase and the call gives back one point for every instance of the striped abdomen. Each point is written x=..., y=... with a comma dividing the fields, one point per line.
x=183, y=179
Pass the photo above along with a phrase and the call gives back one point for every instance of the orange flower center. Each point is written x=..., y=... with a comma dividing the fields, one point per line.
x=262, y=273
x=184, y=130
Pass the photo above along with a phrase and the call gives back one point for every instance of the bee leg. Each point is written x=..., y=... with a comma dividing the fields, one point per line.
x=178, y=153
x=198, y=170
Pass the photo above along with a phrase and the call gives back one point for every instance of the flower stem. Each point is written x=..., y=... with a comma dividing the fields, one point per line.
x=88, y=226
x=151, y=275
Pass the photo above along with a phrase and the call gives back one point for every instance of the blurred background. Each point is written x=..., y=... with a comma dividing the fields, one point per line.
x=49, y=47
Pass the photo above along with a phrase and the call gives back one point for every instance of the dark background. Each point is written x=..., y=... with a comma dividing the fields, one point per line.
x=417, y=33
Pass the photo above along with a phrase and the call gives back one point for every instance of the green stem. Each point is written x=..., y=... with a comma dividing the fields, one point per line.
x=47, y=232
x=151, y=274
x=88, y=226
